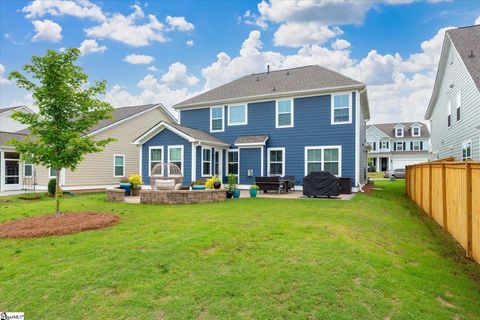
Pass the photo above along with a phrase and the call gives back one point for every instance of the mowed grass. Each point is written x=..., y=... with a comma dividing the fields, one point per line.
x=374, y=257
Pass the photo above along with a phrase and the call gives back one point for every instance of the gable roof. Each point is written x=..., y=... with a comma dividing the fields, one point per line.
x=302, y=80
x=251, y=140
x=466, y=41
x=190, y=134
x=4, y=110
x=389, y=129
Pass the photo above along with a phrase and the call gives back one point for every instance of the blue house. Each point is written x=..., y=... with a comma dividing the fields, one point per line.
x=278, y=123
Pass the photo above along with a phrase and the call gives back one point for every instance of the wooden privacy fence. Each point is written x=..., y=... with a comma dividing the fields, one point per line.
x=449, y=192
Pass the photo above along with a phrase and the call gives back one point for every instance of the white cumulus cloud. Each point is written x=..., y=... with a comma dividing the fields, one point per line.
x=189, y=43
x=152, y=68
x=294, y=34
x=341, y=44
x=179, y=23
x=47, y=30
x=177, y=74
x=2, y=71
x=91, y=46
x=79, y=9
x=138, y=59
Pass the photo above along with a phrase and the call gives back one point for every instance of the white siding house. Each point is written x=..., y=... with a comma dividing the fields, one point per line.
x=454, y=108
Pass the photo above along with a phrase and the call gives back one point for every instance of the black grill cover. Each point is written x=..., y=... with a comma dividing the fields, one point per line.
x=320, y=184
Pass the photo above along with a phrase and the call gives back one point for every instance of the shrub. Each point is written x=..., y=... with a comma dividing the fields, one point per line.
x=135, y=180
x=232, y=182
x=254, y=187
x=209, y=183
x=52, y=184
x=124, y=180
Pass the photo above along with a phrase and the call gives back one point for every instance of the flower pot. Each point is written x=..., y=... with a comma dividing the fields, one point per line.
x=217, y=184
x=136, y=191
x=253, y=193
x=236, y=194
x=127, y=187
x=229, y=194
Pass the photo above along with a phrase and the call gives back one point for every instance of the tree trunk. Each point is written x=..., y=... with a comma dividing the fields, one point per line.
x=58, y=194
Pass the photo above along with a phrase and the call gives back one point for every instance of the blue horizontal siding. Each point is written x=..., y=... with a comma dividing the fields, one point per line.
x=312, y=127
x=164, y=139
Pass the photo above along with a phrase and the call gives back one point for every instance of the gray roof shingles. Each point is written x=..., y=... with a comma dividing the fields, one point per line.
x=389, y=129
x=198, y=134
x=305, y=78
x=467, y=42
x=252, y=139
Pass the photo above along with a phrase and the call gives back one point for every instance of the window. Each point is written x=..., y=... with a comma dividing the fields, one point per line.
x=459, y=104
x=118, y=166
x=237, y=115
x=206, y=162
x=416, y=132
x=232, y=167
x=467, y=150
x=323, y=159
x=216, y=119
x=175, y=156
x=27, y=169
x=416, y=145
x=155, y=157
x=399, y=146
x=284, y=114
x=399, y=132
x=373, y=145
x=384, y=145
x=449, y=113
x=341, y=108
x=276, y=161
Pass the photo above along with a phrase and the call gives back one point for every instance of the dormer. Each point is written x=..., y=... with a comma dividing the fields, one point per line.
x=416, y=129
x=399, y=130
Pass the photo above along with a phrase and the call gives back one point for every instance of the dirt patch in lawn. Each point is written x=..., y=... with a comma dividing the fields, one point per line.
x=43, y=226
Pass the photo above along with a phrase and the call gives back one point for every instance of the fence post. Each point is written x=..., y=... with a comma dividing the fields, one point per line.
x=430, y=189
x=468, y=173
x=407, y=181
x=421, y=204
x=444, y=197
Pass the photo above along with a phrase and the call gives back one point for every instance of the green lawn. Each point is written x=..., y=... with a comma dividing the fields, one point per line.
x=374, y=257
x=375, y=175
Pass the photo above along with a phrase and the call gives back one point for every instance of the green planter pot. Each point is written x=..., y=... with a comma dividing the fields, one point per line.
x=253, y=193
x=236, y=194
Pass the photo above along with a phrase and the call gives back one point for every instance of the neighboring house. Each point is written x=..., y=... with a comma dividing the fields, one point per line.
x=279, y=123
x=7, y=124
x=119, y=158
x=396, y=145
x=454, y=108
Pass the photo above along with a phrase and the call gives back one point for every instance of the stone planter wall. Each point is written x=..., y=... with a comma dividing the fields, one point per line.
x=115, y=195
x=181, y=196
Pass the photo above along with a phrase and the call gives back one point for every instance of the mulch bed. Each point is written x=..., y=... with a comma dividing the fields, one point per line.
x=43, y=226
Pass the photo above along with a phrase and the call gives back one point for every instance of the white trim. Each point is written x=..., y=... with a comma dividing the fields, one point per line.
x=292, y=113
x=262, y=164
x=220, y=162
x=168, y=157
x=471, y=149
x=268, y=160
x=271, y=96
x=124, y=165
x=458, y=105
x=251, y=145
x=150, y=157
x=223, y=118
x=194, y=162
x=419, y=131
x=358, y=143
x=401, y=127
x=9, y=111
x=332, y=113
x=209, y=161
x=238, y=162
x=230, y=124
x=322, y=148
x=157, y=106
x=140, y=157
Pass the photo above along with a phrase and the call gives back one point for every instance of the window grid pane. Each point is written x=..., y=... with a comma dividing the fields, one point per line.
x=118, y=161
x=175, y=155
x=237, y=114
x=156, y=155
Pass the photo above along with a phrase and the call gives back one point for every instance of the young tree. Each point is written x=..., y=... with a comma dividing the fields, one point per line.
x=67, y=110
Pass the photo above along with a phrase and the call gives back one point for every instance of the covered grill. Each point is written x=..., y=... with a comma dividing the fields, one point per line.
x=320, y=184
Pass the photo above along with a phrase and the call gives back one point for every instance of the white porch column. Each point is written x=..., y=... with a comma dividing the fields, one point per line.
x=194, y=162
x=2, y=169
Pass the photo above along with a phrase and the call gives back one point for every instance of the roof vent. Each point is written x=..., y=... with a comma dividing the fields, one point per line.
x=274, y=88
x=268, y=69
x=258, y=79
x=288, y=72
x=471, y=54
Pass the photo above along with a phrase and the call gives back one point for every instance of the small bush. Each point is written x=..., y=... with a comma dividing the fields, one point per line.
x=209, y=184
x=52, y=185
x=135, y=180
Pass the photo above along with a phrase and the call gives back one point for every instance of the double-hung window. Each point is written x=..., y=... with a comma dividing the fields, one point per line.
x=384, y=145
x=398, y=132
x=276, y=162
x=155, y=158
x=416, y=145
x=175, y=156
x=341, y=108
x=284, y=113
x=237, y=115
x=416, y=132
x=233, y=162
x=118, y=166
x=449, y=113
x=27, y=169
x=206, y=162
x=323, y=159
x=216, y=119
x=459, y=105
x=399, y=146
x=467, y=150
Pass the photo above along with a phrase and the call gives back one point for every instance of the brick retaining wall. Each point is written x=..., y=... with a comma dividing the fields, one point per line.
x=181, y=196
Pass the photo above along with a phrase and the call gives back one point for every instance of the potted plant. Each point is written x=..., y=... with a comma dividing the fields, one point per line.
x=125, y=185
x=136, y=182
x=231, y=185
x=253, y=190
x=236, y=193
x=213, y=183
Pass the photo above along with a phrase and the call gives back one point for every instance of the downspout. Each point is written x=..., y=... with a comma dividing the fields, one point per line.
x=360, y=185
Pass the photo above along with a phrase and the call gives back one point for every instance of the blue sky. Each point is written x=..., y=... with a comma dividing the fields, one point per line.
x=162, y=51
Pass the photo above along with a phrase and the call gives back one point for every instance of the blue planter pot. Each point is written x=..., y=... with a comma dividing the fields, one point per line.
x=127, y=187
x=198, y=187
x=236, y=194
x=253, y=193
